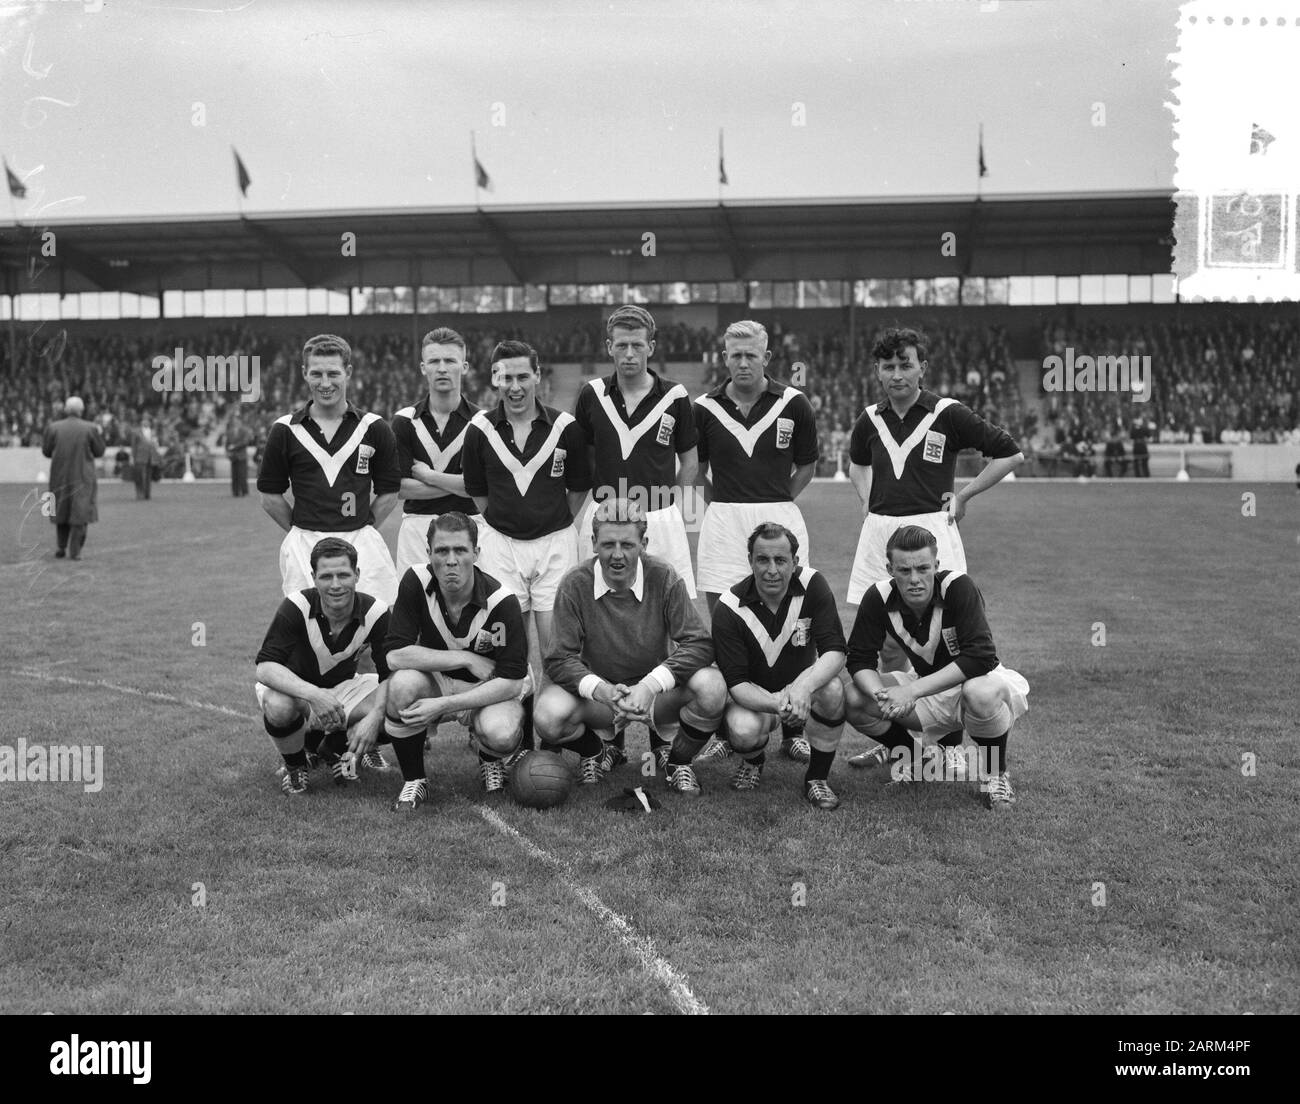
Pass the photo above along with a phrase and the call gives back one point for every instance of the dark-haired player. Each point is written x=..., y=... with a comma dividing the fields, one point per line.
x=430, y=436
x=525, y=467
x=629, y=646
x=331, y=455
x=937, y=618
x=903, y=460
x=780, y=647
x=458, y=649
x=308, y=687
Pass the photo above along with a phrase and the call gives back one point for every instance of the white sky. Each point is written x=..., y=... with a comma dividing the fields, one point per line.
x=344, y=105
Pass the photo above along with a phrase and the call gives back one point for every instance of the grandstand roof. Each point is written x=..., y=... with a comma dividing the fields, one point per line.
x=584, y=243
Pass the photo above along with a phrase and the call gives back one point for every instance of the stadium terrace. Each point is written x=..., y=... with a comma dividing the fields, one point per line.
x=193, y=373
x=1103, y=373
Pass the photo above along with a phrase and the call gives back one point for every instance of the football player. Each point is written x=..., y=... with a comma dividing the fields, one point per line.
x=311, y=696
x=331, y=455
x=458, y=650
x=780, y=647
x=937, y=618
x=629, y=646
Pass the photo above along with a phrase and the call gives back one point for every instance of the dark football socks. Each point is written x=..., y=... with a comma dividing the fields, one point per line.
x=313, y=739
x=994, y=749
x=295, y=759
x=687, y=745
x=410, y=757
x=586, y=745
x=819, y=765
x=280, y=733
x=757, y=760
x=790, y=733
x=336, y=741
x=953, y=739
x=528, y=743
x=488, y=757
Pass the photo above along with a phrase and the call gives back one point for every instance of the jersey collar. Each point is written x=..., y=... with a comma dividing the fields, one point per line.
x=498, y=415
x=749, y=595
x=772, y=387
x=926, y=400
x=300, y=416
x=600, y=588
x=478, y=594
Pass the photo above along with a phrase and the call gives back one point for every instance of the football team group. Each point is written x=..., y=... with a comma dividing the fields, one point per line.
x=581, y=519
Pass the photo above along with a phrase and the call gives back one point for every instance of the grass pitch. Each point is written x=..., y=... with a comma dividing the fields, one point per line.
x=1156, y=772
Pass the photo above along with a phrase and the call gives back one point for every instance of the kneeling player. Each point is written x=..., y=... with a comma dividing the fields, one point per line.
x=780, y=648
x=937, y=617
x=307, y=683
x=458, y=649
x=628, y=646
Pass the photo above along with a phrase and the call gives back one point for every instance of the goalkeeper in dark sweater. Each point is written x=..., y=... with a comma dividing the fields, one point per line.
x=627, y=645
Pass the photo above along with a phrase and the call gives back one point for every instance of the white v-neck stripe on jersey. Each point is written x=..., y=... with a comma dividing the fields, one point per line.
x=326, y=660
x=771, y=647
x=438, y=458
x=898, y=453
x=747, y=438
x=329, y=465
x=522, y=473
x=628, y=436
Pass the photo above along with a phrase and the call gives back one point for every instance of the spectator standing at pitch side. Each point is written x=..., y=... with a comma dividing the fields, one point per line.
x=237, y=439
x=331, y=454
x=903, y=462
x=72, y=445
x=145, y=460
x=430, y=435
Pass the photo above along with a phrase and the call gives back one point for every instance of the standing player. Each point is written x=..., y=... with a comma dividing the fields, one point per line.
x=331, y=455
x=780, y=648
x=641, y=431
x=937, y=618
x=525, y=467
x=629, y=646
x=430, y=435
x=760, y=437
x=307, y=683
x=458, y=649
x=902, y=461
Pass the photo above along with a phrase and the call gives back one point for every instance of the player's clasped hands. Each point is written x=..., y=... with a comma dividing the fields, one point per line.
x=793, y=705
x=635, y=704
x=327, y=712
x=895, y=701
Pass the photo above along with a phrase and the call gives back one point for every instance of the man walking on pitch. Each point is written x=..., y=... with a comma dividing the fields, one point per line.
x=937, y=617
x=458, y=649
x=430, y=436
x=72, y=446
x=311, y=696
x=331, y=455
x=903, y=462
x=780, y=647
x=629, y=646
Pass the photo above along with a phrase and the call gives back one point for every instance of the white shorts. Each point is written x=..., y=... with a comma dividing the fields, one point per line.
x=448, y=686
x=665, y=540
x=375, y=565
x=942, y=713
x=351, y=693
x=531, y=568
x=869, y=560
x=413, y=540
x=723, y=551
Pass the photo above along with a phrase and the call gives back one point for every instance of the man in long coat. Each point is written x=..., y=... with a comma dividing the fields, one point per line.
x=72, y=444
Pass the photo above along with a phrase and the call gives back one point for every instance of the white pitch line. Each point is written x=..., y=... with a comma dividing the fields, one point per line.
x=641, y=946
x=101, y=684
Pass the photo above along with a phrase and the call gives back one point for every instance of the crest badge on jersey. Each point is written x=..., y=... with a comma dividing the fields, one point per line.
x=934, y=443
x=784, y=432
x=950, y=641
x=557, y=462
x=484, y=641
x=666, y=424
x=364, y=453
x=799, y=638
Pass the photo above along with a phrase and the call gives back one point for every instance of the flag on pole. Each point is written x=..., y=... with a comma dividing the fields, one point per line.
x=984, y=169
x=722, y=163
x=481, y=178
x=17, y=188
x=241, y=173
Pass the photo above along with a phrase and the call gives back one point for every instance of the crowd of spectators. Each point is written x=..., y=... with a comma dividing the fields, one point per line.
x=1228, y=381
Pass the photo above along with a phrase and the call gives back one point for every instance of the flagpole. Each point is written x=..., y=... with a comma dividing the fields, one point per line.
x=979, y=169
x=473, y=154
x=13, y=295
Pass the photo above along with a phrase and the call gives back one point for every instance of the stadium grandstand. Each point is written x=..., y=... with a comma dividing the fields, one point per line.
x=88, y=307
